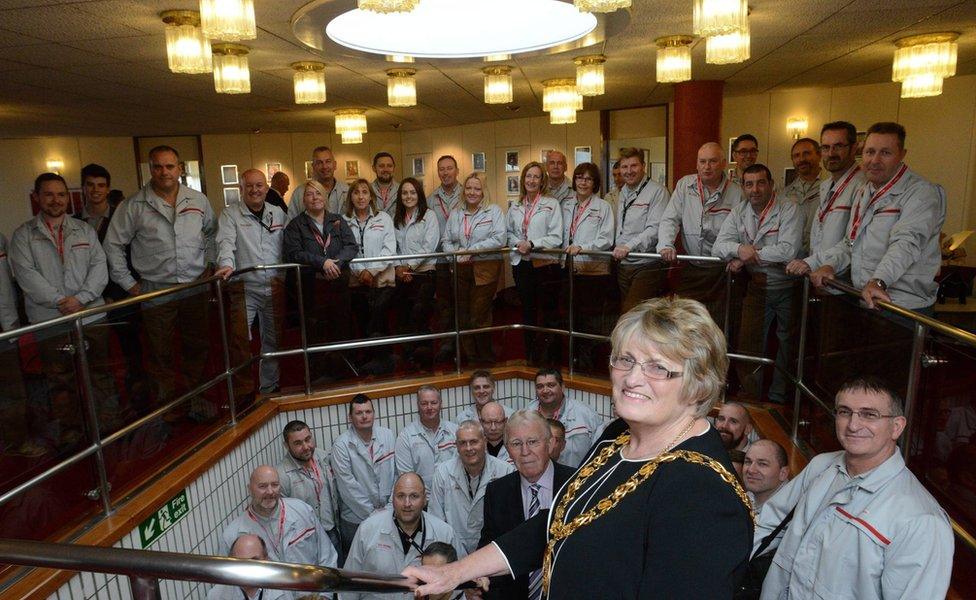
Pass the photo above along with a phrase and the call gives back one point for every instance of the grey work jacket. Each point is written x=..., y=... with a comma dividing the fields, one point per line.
x=169, y=245
x=829, y=225
x=333, y=204
x=301, y=539
x=880, y=536
x=778, y=239
x=451, y=500
x=485, y=231
x=639, y=212
x=364, y=473
x=318, y=490
x=386, y=202
x=594, y=227
x=418, y=237
x=698, y=214
x=9, y=319
x=443, y=203
x=244, y=241
x=46, y=277
x=419, y=450
x=897, y=240
x=545, y=228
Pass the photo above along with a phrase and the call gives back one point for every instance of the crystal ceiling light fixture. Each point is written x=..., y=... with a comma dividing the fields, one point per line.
x=561, y=100
x=498, y=85
x=496, y=32
x=229, y=20
x=231, y=72
x=729, y=48
x=388, y=6
x=589, y=74
x=922, y=61
x=187, y=49
x=674, y=58
x=601, y=6
x=309, y=79
x=350, y=123
x=719, y=17
x=401, y=87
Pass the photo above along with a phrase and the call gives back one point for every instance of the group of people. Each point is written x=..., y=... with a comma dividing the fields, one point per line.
x=504, y=501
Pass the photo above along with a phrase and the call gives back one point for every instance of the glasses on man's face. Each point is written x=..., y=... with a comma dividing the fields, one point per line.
x=530, y=443
x=746, y=151
x=825, y=148
x=868, y=415
x=650, y=369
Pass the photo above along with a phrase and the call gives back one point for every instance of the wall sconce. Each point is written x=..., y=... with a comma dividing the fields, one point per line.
x=55, y=165
x=796, y=127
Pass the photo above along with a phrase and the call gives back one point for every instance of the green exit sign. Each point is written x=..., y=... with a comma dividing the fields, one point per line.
x=163, y=519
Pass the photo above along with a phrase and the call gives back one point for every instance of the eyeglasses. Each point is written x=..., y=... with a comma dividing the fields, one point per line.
x=833, y=147
x=868, y=415
x=650, y=369
x=746, y=151
x=529, y=443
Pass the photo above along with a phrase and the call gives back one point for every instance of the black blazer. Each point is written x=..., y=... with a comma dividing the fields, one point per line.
x=504, y=512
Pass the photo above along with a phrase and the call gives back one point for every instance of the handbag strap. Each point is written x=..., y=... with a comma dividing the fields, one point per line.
x=766, y=541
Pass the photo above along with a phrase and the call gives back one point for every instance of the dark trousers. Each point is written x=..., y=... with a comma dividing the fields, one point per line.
x=538, y=291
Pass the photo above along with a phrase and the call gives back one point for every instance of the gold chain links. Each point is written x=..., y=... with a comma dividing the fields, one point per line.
x=558, y=530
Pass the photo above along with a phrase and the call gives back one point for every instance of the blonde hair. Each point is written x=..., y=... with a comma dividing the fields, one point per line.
x=682, y=331
x=347, y=208
x=485, y=198
x=311, y=183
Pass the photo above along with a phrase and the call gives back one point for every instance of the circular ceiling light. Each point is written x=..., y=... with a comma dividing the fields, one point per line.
x=497, y=32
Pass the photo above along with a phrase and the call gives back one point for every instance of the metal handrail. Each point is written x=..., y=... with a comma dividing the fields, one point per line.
x=144, y=564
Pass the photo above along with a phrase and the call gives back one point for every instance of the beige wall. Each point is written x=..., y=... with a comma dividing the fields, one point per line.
x=941, y=131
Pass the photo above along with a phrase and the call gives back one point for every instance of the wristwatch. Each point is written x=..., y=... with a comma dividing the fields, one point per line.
x=880, y=283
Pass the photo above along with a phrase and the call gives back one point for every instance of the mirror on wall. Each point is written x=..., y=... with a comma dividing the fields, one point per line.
x=645, y=128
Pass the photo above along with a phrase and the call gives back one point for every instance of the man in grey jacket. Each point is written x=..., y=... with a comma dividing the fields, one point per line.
x=170, y=228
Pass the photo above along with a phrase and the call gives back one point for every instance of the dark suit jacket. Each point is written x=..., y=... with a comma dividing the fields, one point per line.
x=275, y=198
x=504, y=512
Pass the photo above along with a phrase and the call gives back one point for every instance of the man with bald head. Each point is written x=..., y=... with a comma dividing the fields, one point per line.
x=277, y=190
x=248, y=547
x=493, y=419
x=251, y=234
x=458, y=491
x=698, y=207
x=765, y=470
x=734, y=424
x=559, y=186
x=393, y=538
x=290, y=529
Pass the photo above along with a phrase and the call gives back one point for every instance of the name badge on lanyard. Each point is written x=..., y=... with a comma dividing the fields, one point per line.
x=858, y=216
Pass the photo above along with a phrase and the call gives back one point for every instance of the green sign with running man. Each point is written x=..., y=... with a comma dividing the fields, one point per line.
x=163, y=519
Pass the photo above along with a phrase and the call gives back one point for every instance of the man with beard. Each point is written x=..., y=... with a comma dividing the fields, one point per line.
x=762, y=235
x=734, y=424
x=289, y=528
x=306, y=474
x=60, y=266
x=838, y=146
x=323, y=171
x=805, y=188
x=392, y=539
x=458, y=491
x=580, y=421
x=248, y=547
x=384, y=185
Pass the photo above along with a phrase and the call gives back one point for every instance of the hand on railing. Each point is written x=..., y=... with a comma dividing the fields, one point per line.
x=821, y=276
x=620, y=252
x=669, y=255
x=224, y=272
x=331, y=269
x=797, y=267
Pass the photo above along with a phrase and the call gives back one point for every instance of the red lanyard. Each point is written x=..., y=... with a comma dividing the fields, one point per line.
x=837, y=192
x=318, y=238
x=445, y=209
x=762, y=217
x=528, y=215
x=577, y=216
x=467, y=227
x=317, y=481
x=385, y=195
x=701, y=190
x=856, y=223
x=281, y=528
x=58, y=239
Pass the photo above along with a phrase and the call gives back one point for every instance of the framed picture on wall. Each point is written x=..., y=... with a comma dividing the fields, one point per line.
x=582, y=154
x=228, y=174
x=731, y=158
x=789, y=174
x=659, y=173
x=273, y=168
x=478, y=162
x=418, y=166
x=512, y=161
x=544, y=155
x=309, y=171
x=352, y=169
x=232, y=195
x=512, y=185
x=861, y=136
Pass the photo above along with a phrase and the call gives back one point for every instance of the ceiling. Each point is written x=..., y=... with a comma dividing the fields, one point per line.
x=98, y=67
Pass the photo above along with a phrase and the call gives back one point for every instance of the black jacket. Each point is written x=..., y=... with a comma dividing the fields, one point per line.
x=504, y=512
x=301, y=244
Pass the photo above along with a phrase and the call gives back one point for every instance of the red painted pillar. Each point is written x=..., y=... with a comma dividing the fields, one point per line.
x=697, y=120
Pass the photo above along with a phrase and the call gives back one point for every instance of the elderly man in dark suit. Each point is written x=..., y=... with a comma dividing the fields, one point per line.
x=512, y=499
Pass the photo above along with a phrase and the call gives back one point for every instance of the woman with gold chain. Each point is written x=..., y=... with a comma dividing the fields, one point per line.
x=655, y=510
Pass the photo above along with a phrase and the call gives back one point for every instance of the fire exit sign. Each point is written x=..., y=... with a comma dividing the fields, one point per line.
x=163, y=519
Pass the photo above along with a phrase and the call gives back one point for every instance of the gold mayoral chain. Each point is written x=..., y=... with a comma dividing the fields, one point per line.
x=559, y=530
